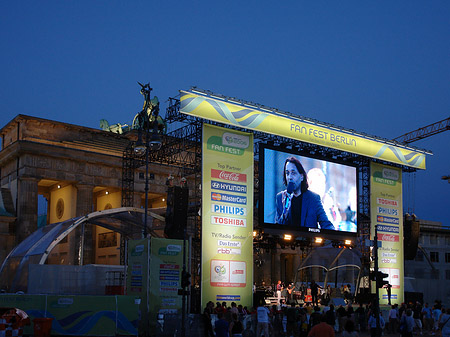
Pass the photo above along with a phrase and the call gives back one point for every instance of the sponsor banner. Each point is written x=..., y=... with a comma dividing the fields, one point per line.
x=387, y=215
x=387, y=219
x=226, y=221
x=229, y=251
x=388, y=237
x=228, y=298
x=387, y=202
x=229, y=198
x=227, y=175
x=387, y=211
x=166, y=263
x=218, y=185
x=224, y=243
x=260, y=119
x=227, y=216
x=389, y=229
x=231, y=210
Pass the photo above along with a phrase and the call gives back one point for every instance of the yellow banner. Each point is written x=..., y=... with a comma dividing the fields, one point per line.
x=227, y=216
x=259, y=120
x=387, y=214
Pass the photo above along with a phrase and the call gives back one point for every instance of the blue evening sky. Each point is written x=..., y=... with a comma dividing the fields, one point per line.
x=379, y=67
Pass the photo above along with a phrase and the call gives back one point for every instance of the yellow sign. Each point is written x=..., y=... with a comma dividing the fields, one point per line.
x=387, y=215
x=252, y=118
x=227, y=216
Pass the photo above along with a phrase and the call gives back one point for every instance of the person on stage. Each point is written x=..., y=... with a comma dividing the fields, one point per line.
x=298, y=206
x=279, y=288
x=289, y=290
x=314, y=292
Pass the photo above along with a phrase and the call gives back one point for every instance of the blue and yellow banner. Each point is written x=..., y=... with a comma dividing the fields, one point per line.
x=252, y=118
x=387, y=214
x=227, y=216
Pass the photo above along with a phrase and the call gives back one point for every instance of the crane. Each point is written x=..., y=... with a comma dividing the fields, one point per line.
x=424, y=132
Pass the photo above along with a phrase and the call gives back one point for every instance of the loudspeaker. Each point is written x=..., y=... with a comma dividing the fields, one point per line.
x=176, y=212
x=411, y=232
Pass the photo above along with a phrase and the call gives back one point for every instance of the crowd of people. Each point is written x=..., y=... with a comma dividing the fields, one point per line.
x=323, y=321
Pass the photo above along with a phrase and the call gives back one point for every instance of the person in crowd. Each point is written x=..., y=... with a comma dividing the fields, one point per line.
x=372, y=323
x=234, y=308
x=315, y=317
x=350, y=313
x=298, y=206
x=436, y=312
x=407, y=324
x=444, y=323
x=321, y=329
x=221, y=326
x=262, y=314
x=341, y=314
x=349, y=329
x=236, y=327
x=417, y=310
x=393, y=319
x=427, y=318
x=360, y=314
x=209, y=310
x=218, y=309
x=330, y=316
x=291, y=320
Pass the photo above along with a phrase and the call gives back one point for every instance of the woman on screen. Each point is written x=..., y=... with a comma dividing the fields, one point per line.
x=297, y=206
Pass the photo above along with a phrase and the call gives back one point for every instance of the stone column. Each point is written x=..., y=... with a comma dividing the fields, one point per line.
x=276, y=266
x=84, y=207
x=27, y=208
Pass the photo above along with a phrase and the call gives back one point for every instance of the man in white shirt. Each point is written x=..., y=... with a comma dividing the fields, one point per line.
x=262, y=314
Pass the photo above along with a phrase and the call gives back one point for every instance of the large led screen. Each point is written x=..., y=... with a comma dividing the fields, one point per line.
x=305, y=194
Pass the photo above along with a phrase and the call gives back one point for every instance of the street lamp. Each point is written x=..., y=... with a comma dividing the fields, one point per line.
x=147, y=120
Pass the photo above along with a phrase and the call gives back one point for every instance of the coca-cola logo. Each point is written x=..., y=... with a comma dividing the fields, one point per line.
x=388, y=237
x=230, y=176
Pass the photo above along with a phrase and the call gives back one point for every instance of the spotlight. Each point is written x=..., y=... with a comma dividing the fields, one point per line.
x=318, y=240
x=106, y=192
x=59, y=186
x=287, y=237
x=348, y=242
x=255, y=233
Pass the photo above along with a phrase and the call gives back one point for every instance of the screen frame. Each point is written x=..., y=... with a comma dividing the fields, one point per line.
x=277, y=229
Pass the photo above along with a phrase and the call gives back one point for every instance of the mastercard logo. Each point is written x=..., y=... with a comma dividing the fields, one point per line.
x=216, y=196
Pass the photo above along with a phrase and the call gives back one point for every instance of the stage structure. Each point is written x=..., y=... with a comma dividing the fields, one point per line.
x=277, y=134
x=299, y=136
